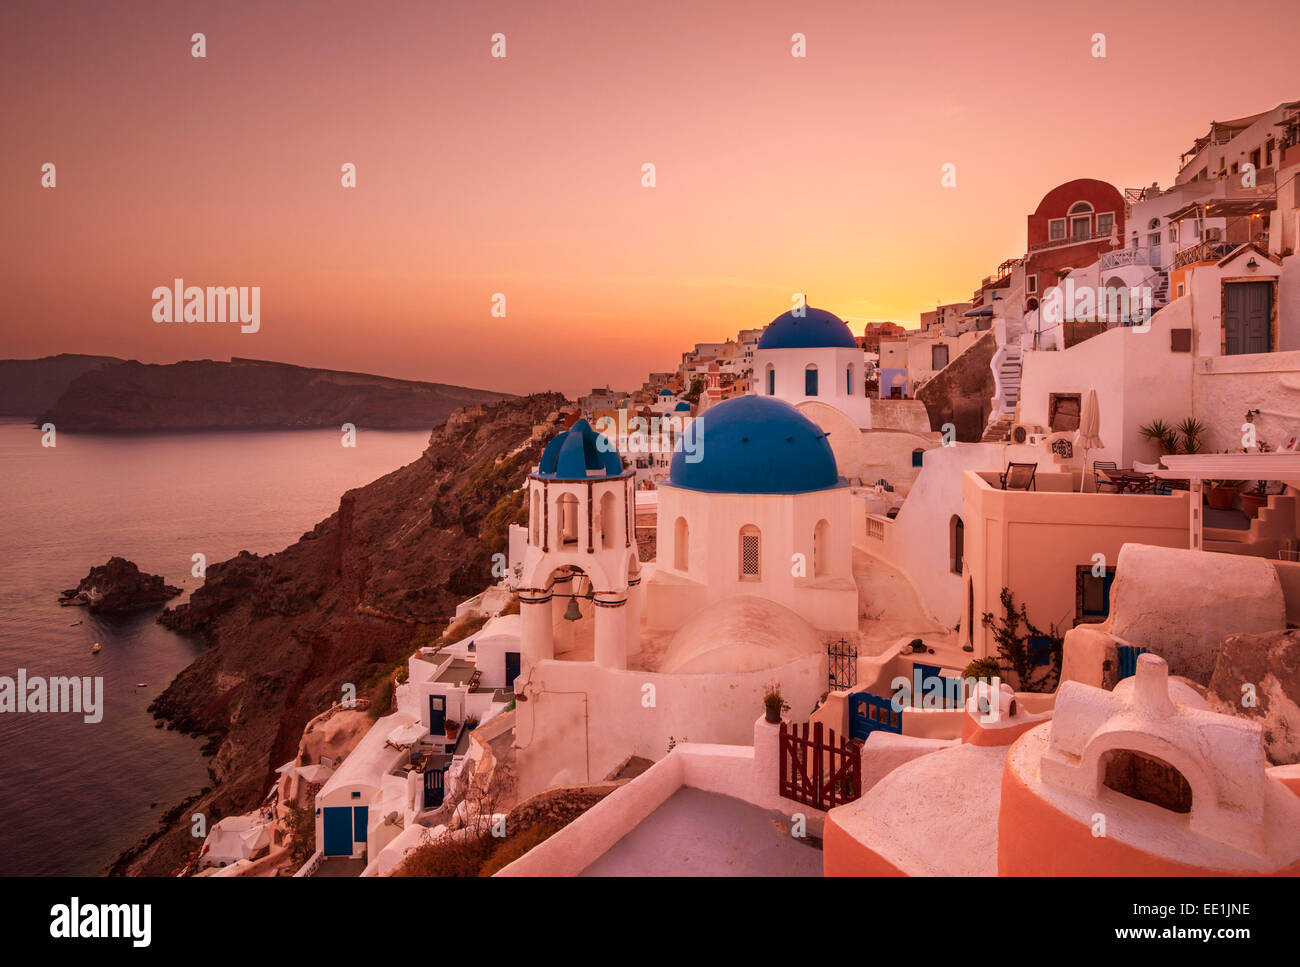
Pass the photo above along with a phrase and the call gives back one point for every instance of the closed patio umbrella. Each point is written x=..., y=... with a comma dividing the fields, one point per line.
x=1088, y=437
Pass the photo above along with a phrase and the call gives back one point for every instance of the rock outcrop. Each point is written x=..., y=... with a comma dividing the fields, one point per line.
x=119, y=587
x=1258, y=676
x=250, y=394
x=31, y=386
x=287, y=631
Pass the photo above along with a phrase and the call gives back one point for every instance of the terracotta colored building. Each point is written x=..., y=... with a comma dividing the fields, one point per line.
x=1073, y=226
x=870, y=341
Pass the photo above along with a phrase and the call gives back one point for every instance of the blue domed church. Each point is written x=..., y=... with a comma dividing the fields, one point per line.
x=754, y=505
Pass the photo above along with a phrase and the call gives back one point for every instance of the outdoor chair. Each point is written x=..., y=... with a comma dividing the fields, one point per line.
x=1019, y=476
x=1100, y=478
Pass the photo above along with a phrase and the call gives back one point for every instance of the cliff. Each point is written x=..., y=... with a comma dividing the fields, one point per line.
x=207, y=394
x=31, y=386
x=287, y=631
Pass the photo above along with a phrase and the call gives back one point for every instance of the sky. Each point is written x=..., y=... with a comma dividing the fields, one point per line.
x=523, y=175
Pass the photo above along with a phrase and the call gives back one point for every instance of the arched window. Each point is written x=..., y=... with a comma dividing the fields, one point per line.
x=956, y=543
x=1153, y=224
x=751, y=554
x=848, y=381
x=771, y=380
x=566, y=519
x=681, y=545
x=822, y=549
x=535, y=519
x=1080, y=221
x=608, y=520
x=810, y=380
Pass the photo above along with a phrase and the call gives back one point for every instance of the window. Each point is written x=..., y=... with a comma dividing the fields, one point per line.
x=1105, y=223
x=1080, y=208
x=535, y=518
x=810, y=380
x=938, y=356
x=1031, y=283
x=1080, y=228
x=1268, y=153
x=821, y=549
x=681, y=545
x=1056, y=230
x=956, y=544
x=566, y=520
x=771, y=380
x=1063, y=412
x=848, y=381
x=918, y=456
x=1092, y=594
x=750, y=554
x=608, y=520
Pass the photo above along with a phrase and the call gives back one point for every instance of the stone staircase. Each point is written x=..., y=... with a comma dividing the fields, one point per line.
x=999, y=428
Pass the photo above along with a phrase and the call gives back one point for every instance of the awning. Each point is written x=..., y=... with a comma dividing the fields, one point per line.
x=981, y=311
x=1225, y=208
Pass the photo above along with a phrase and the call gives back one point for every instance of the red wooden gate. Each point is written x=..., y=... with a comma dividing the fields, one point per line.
x=819, y=771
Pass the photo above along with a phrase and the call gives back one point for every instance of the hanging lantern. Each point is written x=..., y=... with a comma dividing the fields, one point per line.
x=571, y=613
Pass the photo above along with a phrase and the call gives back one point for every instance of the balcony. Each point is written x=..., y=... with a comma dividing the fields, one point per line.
x=1071, y=240
x=1130, y=256
x=1208, y=251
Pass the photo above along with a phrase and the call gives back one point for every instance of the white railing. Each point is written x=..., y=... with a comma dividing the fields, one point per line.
x=1126, y=256
x=876, y=524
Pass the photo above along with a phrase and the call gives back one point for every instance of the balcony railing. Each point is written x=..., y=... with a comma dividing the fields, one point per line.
x=1069, y=240
x=1129, y=256
x=1203, y=252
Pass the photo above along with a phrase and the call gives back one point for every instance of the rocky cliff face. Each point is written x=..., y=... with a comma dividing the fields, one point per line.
x=250, y=394
x=289, y=630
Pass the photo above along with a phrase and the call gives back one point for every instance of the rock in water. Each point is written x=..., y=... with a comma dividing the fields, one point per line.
x=119, y=587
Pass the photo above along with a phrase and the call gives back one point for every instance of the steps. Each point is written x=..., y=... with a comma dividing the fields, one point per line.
x=999, y=428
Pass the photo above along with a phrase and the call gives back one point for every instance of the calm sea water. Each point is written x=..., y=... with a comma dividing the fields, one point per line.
x=73, y=795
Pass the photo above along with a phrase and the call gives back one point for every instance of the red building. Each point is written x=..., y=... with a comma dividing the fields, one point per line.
x=1072, y=226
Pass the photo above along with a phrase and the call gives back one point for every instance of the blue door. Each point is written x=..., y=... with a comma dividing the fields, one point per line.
x=360, y=820
x=512, y=668
x=1128, y=660
x=871, y=713
x=338, y=831
x=437, y=713
x=433, y=789
x=921, y=676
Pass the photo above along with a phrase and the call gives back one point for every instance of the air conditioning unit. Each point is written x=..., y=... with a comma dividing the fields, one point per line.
x=1028, y=433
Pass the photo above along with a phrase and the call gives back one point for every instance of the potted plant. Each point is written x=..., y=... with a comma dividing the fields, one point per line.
x=1221, y=494
x=1192, y=430
x=1255, y=498
x=471, y=722
x=1164, y=436
x=452, y=729
x=773, y=703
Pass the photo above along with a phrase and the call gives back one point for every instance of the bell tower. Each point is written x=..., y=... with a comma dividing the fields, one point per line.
x=580, y=587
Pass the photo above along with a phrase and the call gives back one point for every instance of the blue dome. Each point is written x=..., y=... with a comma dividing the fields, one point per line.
x=818, y=329
x=755, y=445
x=665, y=392
x=579, y=453
x=682, y=407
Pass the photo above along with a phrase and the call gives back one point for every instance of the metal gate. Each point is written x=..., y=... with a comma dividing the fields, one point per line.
x=433, y=789
x=841, y=664
x=870, y=713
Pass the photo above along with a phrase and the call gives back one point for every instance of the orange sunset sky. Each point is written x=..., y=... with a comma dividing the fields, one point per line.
x=522, y=175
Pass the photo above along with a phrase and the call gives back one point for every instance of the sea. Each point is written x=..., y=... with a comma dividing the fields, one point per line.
x=75, y=794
